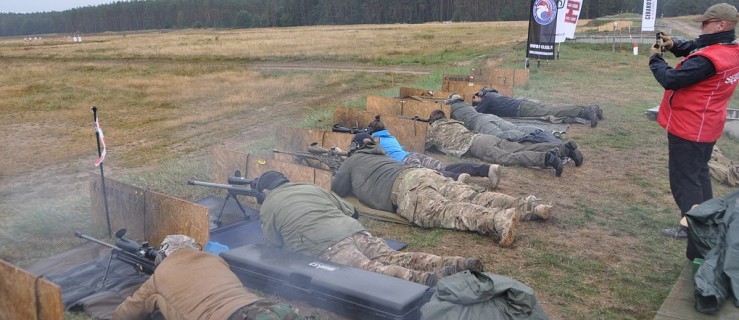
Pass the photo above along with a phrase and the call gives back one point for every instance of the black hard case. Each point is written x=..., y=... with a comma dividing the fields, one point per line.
x=355, y=293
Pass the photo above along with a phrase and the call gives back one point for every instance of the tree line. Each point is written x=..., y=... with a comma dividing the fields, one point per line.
x=178, y=14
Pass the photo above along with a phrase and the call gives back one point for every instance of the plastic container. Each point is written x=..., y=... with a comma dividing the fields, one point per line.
x=215, y=247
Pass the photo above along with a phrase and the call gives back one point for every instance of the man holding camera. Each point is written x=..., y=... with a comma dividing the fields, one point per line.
x=693, y=107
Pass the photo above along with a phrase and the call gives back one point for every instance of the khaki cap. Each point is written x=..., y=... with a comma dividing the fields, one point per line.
x=721, y=11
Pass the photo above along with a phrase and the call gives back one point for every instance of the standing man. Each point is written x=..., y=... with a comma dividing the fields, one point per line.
x=693, y=107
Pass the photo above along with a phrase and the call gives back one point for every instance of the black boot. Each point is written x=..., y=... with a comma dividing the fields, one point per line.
x=574, y=153
x=552, y=160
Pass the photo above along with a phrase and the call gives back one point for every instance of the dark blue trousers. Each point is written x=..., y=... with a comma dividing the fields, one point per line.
x=690, y=179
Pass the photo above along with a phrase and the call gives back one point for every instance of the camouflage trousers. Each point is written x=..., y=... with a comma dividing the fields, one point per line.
x=266, y=310
x=366, y=252
x=415, y=159
x=429, y=200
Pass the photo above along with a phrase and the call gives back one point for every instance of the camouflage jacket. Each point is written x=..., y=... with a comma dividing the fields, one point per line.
x=450, y=137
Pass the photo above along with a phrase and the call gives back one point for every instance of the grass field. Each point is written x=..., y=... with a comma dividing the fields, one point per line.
x=167, y=98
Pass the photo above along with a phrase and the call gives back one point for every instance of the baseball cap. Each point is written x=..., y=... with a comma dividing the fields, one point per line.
x=721, y=11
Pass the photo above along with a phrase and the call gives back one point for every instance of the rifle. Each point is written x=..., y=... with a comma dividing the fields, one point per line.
x=234, y=189
x=140, y=256
x=414, y=118
x=338, y=128
x=318, y=157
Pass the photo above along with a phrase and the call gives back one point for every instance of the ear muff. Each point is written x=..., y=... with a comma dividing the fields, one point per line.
x=353, y=146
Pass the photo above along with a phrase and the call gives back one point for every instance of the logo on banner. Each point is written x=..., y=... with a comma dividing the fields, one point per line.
x=545, y=11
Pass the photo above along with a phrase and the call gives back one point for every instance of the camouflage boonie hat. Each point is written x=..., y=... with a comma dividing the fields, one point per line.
x=174, y=242
x=453, y=98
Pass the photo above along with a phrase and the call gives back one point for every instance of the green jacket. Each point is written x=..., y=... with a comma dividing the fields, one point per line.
x=472, y=295
x=305, y=218
x=714, y=228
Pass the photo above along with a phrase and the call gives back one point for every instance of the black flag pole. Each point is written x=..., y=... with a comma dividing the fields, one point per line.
x=99, y=163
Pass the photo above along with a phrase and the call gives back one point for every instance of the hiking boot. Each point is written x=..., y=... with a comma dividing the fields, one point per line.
x=561, y=135
x=464, y=177
x=598, y=111
x=678, y=232
x=472, y=265
x=574, y=153
x=541, y=212
x=494, y=174
x=552, y=160
x=505, y=226
x=532, y=211
x=592, y=114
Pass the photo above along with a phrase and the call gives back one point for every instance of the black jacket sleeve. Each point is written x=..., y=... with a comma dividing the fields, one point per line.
x=692, y=71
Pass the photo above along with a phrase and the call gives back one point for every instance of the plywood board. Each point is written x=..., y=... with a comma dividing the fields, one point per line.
x=146, y=215
x=410, y=134
x=502, y=77
x=296, y=139
x=126, y=205
x=384, y=105
x=225, y=163
x=167, y=215
x=403, y=106
x=352, y=118
x=26, y=296
x=423, y=94
x=465, y=89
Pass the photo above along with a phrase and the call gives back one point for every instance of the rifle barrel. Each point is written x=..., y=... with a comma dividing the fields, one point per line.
x=83, y=236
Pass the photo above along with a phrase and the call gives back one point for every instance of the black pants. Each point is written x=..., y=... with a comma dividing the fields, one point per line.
x=474, y=169
x=690, y=179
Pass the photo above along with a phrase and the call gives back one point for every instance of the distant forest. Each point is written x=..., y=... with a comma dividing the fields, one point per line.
x=179, y=14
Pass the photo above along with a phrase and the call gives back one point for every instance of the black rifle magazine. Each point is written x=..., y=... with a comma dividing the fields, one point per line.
x=348, y=291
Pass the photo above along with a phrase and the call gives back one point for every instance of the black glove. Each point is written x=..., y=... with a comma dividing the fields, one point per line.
x=665, y=41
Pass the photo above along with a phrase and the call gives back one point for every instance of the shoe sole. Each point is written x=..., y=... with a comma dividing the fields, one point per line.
x=495, y=179
x=507, y=238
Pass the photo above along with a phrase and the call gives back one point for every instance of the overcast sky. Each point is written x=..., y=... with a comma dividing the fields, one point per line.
x=28, y=6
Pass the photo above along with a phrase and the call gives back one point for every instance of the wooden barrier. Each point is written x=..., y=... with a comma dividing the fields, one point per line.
x=410, y=134
x=423, y=94
x=404, y=107
x=502, y=77
x=147, y=215
x=26, y=296
x=467, y=89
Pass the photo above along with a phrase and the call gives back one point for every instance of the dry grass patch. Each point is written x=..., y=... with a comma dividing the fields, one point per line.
x=356, y=43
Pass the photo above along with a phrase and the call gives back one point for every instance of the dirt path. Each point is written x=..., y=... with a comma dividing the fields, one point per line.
x=335, y=67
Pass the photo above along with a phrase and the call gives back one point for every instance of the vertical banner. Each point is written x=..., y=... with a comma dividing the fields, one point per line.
x=649, y=15
x=567, y=17
x=542, y=29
